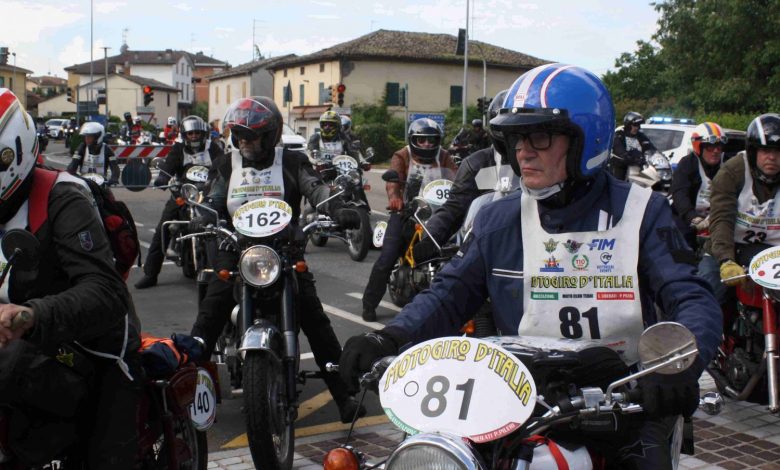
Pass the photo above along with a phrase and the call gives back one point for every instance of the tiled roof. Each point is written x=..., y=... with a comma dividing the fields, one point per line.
x=166, y=57
x=250, y=67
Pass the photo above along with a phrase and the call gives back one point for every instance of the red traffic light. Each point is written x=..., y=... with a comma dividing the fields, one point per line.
x=341, y=88
x=147, y=89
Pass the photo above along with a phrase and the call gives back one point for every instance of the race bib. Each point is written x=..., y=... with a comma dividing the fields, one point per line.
x=262, y=217
x=437, y=191
x=464, y=386
x=345, y=163
x=379, y=233
x=203, y=410
x=197, y=174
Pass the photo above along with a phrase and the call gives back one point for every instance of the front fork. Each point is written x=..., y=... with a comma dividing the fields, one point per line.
x=770, y=349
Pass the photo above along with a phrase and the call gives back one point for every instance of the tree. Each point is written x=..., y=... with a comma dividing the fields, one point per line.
x=201, y=108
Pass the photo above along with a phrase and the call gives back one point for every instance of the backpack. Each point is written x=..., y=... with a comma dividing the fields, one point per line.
x=116, y=217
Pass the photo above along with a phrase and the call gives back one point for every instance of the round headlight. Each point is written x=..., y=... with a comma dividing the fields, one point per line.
x=260, y=266
x=354, y=175
x=439, y=451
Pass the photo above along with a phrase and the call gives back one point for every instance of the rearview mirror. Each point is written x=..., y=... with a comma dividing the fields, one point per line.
x=370, y=153
x=664, y=341
x=21, y=249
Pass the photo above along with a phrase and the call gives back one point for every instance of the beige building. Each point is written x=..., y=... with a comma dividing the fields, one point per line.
x=15, y=78
x=250, y=79
x=382, y=64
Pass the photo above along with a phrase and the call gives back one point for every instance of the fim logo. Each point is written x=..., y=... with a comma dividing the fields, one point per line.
x=602, y=244
x=551, y=266
x=580, y=262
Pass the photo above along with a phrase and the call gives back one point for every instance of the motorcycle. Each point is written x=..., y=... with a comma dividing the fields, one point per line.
x=745, y=367
x=345, y=175
x=173, y=416
x=259, y=349
x=408, y=277
x=460, y=147
x=508, y=426
x=43, y=137
x=654, y=173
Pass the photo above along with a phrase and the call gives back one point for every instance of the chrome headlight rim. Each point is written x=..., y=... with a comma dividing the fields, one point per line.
x=262, y=250
x=448, y=443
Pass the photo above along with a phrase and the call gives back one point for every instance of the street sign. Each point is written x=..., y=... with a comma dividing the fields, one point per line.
x=438, y=117
x=144, y=109
x=345, y=110
x=87, y=107
x=96, y=118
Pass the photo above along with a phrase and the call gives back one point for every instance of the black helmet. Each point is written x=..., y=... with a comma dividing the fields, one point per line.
x=476, y=123
x=632, y=118
x=763, y=132
x=253, y=117
x=495, y=105
x=128, y=116
x=422, y=129
x=194, y=124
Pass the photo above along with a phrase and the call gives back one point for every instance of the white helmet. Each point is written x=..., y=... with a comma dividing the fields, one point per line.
x=171, y=121
x=95, y=129
x=137, y=120
x=18, y=144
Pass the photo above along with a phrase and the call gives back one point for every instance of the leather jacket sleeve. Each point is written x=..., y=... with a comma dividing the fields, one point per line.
x=723, y=207
x=399, y=164
x=685, y=183
x=309, y=182
x=97, y=299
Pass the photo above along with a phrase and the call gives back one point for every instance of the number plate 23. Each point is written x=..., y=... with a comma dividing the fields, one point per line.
x=464, y=386
x=262, y=217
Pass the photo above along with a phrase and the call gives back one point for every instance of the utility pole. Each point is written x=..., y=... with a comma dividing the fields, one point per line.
x=91, y=47
x=466, y=67
x=105, y=63
x=13, y=74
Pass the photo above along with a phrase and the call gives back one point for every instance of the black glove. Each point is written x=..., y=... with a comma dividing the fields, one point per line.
x=347, y=218
x=198, y=222
x=424, y=250
x=671, y=395
x=161, y=180
x=193, y=346
x=634, y=157
x=361, y=352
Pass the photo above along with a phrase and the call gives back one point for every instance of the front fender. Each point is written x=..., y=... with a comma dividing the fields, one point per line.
x=262, y=335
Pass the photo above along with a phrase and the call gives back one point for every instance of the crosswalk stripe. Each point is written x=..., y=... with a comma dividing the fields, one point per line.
x=385, y=304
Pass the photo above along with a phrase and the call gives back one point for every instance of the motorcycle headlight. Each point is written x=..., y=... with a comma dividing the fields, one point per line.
x=354, y=175
x=260, y=266
x=660, y=162
x=439, y=451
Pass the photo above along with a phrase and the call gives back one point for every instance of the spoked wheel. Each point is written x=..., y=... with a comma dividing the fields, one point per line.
x=359, y=239
x=271, y=438
x=399, y=286
x=190, y=447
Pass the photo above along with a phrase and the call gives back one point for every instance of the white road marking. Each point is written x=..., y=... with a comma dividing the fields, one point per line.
x=351, y=317
x=380, y=213
x=383, y=303
x=164, y=263
x=139, y=224
x=143, y=244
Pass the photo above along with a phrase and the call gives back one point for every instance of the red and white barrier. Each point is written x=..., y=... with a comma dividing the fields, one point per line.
x=141, y=151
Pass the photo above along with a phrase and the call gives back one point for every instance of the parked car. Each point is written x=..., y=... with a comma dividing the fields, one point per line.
x=57, y=127
x=673, y=138
x=291, y=140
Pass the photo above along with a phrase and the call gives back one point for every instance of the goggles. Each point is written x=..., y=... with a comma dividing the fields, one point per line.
x=712, y=139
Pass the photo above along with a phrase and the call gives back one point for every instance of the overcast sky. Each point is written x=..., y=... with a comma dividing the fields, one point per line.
x=48, y=35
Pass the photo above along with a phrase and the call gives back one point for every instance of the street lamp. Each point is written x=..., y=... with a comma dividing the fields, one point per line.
x=13, y=74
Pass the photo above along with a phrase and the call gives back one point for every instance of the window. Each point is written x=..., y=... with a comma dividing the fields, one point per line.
x=392, y=95
x=2, y=81
x=456, y=95
x=243, y=89
x=322, y=96
x=216, y=95
x=300, y=92
x=168, y=95
x=285, y=72
x=322, y=67
x=227, y=94
x=303, y=70
x=188, y=93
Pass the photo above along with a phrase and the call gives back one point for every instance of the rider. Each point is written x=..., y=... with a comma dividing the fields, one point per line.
x=171, y=131
x=93, y=155
x=346, y=130
x=76, y=299
x=196, y=149
x=330, y=141
x=558, y=119
x=630, y=145
x=745, y=205
x=478, y=139
x=423, y=156
x=448, y=219
x=255, y=125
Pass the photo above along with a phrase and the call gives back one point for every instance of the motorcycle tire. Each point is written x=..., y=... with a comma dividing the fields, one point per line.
x=187, y=263
x=399, y=285
x=360, y=239
x=191, y=447
x=271, y=438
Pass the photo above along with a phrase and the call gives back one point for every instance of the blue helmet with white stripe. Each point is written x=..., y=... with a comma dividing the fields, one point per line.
x=566, y=99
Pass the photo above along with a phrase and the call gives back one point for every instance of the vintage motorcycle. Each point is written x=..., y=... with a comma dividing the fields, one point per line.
x=259, y=349
x=345, y=175
x=745, y=367
x=174, y=413
x=654, y=173
x=507, y=400
x=408, y=277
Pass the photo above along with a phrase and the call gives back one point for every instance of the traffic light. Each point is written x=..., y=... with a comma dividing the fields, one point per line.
x=101, y=96
x=70, y=94
x=3, y=55
x=148, y=95
x=340, y=89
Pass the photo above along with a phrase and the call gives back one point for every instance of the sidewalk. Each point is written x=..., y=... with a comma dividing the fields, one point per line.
x=742, y=436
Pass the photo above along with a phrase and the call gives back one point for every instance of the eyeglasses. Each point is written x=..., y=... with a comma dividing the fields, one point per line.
x=538, y=140
x=712, y=139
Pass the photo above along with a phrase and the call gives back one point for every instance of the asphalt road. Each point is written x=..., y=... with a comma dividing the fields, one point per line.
x=171, y=307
